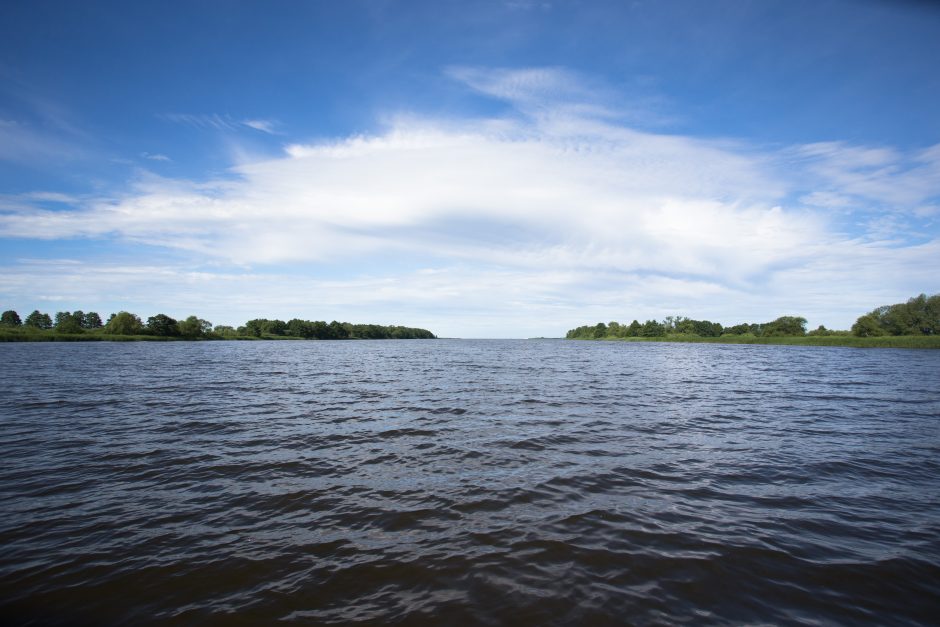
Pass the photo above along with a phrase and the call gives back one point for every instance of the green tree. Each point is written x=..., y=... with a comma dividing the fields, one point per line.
x=338, y=331
x=932, y=312
x=634, y=329
x=92, y=320
x=124, y=323
x=65, y=322
x=39, y=320
x=785, y=326
x=868, y=326
x=682, y=325
x=223, y=330
x=301, y=328
x=194, y=328
x=274, y=327
x=255, y=327
x=923, y=315
x=10, y=318
x=652, y=328
x=706, y=328
x=162, y=325
x=920, y=315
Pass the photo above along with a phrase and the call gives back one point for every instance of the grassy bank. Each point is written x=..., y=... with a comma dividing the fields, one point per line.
x=36, y=335
x=887, y=341
x=23, y=335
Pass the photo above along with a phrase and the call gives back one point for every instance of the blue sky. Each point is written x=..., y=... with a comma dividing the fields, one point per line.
x=482, y=169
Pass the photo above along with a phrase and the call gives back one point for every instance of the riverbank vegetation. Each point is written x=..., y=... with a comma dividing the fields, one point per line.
x=79, y=326
x=914, y=324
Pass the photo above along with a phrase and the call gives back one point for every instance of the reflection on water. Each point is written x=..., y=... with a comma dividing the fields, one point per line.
x=473, y=481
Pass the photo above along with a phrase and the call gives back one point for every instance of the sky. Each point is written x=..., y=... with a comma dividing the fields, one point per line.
x=480, y=169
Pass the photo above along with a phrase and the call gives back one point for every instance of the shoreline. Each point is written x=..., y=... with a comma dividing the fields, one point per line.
x=884, y=341
x=103, y=337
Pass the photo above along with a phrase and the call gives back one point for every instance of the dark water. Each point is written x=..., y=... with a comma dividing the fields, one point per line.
x=468, y=482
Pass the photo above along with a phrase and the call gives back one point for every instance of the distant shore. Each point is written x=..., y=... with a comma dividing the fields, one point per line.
x=892, y=341
x=7, y=335
x=913, y=324
x=123, y=326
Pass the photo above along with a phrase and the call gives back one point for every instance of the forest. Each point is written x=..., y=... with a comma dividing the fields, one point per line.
x=919, y=316
x=123, y=325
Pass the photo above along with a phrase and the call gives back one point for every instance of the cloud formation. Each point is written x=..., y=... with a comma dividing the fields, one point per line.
x=25, y=143
x=155, y=156
x=219, y=122
x=554, y=212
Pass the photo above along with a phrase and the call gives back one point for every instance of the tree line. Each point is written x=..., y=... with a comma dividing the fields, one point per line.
x=918, y=316
x=124, y=323
x=679, y=325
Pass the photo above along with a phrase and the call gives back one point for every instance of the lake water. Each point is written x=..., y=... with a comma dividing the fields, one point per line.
x=468, y=482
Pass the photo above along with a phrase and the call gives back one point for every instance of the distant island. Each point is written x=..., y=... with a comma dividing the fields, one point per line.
x=914, y=324
x=79, y=326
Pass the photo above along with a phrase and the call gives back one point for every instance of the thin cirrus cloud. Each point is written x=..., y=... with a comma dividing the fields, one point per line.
x=26, y=143
x=555, y=213
x=217, y=122
x=155, y=156
x=873, y=175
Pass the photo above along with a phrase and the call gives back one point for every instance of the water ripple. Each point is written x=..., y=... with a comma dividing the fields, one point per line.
x=468, y=482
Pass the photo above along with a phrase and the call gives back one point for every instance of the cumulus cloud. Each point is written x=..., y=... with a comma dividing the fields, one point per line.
x=588, y=194
x=556, y=214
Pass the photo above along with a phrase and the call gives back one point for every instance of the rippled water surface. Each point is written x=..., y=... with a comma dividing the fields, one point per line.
x=450, y=481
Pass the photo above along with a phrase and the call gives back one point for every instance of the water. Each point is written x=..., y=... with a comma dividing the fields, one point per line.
x=470, y=482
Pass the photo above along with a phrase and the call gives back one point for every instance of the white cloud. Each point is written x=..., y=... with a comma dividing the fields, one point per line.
x=533, y=222
x=155, y=156
x=592, y=195
x=220, y=122
x=874, y=175
x=926, y=211
x=265, y=126
x=212, y=121
x=56, y=197
x=24, y=143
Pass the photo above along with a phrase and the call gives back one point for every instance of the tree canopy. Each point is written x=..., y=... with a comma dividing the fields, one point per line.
x=38, y=320
x=10, y=318
x=679, y=325
x=66, y=322
x=194, y=328
x=162, y=325
x=124, y=323
x=920, y=315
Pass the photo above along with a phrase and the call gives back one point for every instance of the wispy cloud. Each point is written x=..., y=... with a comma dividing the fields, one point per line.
x=56, y=197
x=202, y=121
x=43, y=130
x=29, y=144
x=529, y=5
x=155, y=156
x=218, y=122
x=883, y=175
x=554, y=215
x=265, y=126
